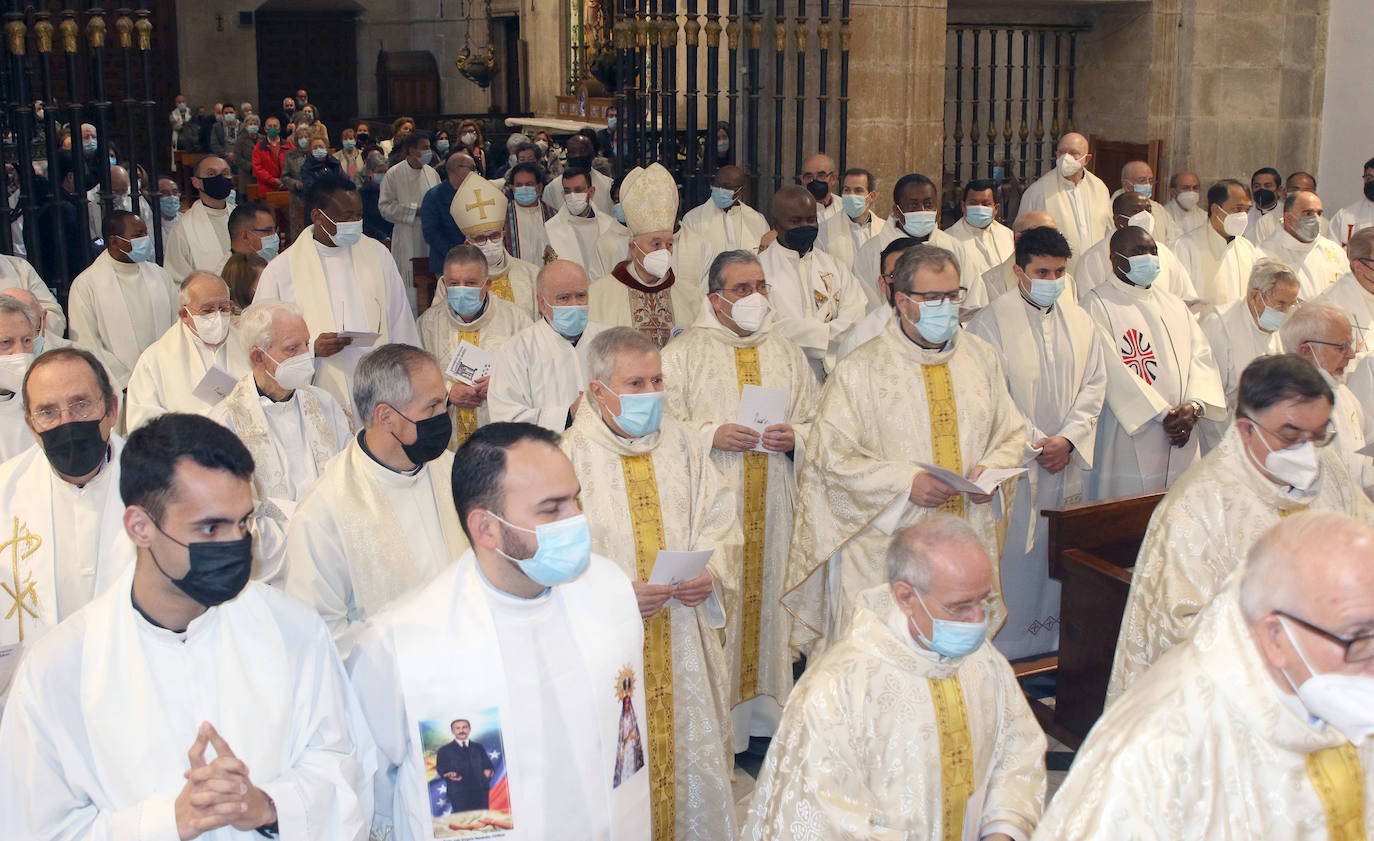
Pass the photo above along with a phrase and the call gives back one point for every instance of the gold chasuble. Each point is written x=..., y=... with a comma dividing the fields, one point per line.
x=944, y=429
x=501, y=288
x=464, y=417
x=755, y=526
x=646, y=518
x=1338, y=778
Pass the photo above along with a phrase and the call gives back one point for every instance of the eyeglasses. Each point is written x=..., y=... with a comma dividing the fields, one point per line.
x=77, y=410
x=744, y=290
x=964, y=611
x=491, y=237
x=933, y=298
x=1345, y=347
x=1357, y=648
x=1281, y=307
x=1318, y=439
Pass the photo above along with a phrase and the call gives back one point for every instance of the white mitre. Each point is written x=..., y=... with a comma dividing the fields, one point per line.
x=479, y=206
x=648, y=196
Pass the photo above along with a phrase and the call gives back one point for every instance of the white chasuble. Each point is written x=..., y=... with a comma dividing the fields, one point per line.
x=704, y=371
x=1318, y=264
x=105, y=708
x=364, y=534
x=1053, y=362
x=1082, y=211
x=1236, y=341
x=1207, y=746
x=20, y=273
x=167, y=373
x=885, y=741
x=539, y=375
x=441, y=331
x=1220, y=270
x=199, y=242
x=596, y=243
x=355, y=288
x=1158, y=358
x=980, y=249
x=740, y=227
x=60, y=545
x=1358, y=303
x=868, y=259
x=557, y=715
x=641, y=496
x=1200, y=533
x=119, y=309
x=15, y=435
x=887, y=406
x=1094, y=266
x=403, y=190
x=1351, y=218
x=815, y=301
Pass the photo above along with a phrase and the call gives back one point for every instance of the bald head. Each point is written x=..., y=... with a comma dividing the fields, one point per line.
x=1361, y=245
x=1127, y=205
x=210, y=166
x=1072, y=143
x=119, y=180
x=1032, y=219
x=730, y=177
x=560, y=274
x=1132, y=242
x=818, y=175
x=202, y=286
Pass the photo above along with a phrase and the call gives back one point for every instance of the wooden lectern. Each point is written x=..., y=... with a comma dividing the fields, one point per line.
x=1092, y=548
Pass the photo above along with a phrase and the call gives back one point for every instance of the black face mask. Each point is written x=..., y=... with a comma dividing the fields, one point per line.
x=1369, y=190
x=364, y=138
x=818, y=188
x=219, y=187
x=75, y=448
x=219, y=569
x=431, y=437
x=1266, y=198
x=800, y=239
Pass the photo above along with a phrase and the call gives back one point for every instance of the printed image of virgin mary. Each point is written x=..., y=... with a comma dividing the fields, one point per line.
x=629, y=753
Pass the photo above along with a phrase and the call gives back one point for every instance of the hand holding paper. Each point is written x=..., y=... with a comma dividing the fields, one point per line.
x=469, y=364
x=760, y=408
x=675, y=568
x=985, y=483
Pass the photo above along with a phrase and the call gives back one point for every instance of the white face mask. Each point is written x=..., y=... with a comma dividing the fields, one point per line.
x=576, y=202
x=12, y=370
x=213, y=328
x=1234, y=224
x=1069, y=166
x=1144, y=220
x=1187, y=199
x=1346, y=702
x=750, y=311
x=494, y=250
x=296, y=372
x=657, y=262
x=1299, y=466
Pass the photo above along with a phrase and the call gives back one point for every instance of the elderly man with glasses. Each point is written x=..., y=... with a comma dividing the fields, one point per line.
x=1273, y=462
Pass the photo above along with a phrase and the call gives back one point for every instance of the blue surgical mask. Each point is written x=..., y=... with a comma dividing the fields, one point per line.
x=169, y=205
x=640, y=414
x=350, y=144
x=88, y=146
x=142, y=249
x=427, y=157
x=345, y=233
x=854, y=206
x=938, y=321
x=998, y=173
x=611, y=123
x=1146, y=190
x=977, y=215
x=1271, y=319
x=1144, y=269
x=319, y=154
x=271, y=244
x=442, y=145
x=38, y=345
x=723, y=197
x=919, y=223
x=619, y=213
x=569, y=321
x=526, y=196
x=564, y=550
x=954, y=640
x=1043, y=293
x=465, y=300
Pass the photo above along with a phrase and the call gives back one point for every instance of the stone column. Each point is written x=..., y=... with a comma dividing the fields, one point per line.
x=896, y=90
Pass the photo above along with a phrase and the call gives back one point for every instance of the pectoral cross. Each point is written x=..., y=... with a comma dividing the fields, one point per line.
x=21, y=590
x=479, y=205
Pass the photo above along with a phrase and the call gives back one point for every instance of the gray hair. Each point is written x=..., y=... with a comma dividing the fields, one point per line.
x=911, y=553
x=715, y=276
x=14, y=306
x=1309, y=320
x=1277, y=559
x=465, y=253
x=383, y=376
x=609, y=345
x=1267, y=273
x=184, y=294
x=1361, y=245
x=924, y=256
x=255, y=325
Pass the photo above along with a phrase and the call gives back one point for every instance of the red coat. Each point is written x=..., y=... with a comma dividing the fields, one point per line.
x=267, y=165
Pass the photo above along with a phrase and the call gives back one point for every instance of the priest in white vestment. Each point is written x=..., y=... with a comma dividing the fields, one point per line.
x=403, y=189
x=1268, y=465
x=980, y=241
x=1253, y=727
x=186, y=701
x=706, y=372
x=1000, y=279
x=724, y=220
x=815, y=300
x=581, y=153
x=1245, y=329
x=380, y=519
x=124, y=301
x=819, y=177
x=1354, y=293
x=1357, y=215
x=1298, y=242
x=903, y=729
x=648, y=485
x=18, y=272
x=201, y=239
x=47, y=339
x=915, y=213
x=1161, y=378
x=643, y=291
x=923, y=392
x=1053, y=358
x=1185, y=214
x=541, y=372
x=875, y=322
x=1078, y=200
x=18, y=334
x=1321, y=332
x=553, y=737
x=120, y=200
x=467, y=311
x=843, y=234
x=582, y=232
x=1266, y=214
x=63, y=517
x=1094, y=266
x=527, y=213
x=343, y=282
x=1137, y=177
x=479, y=210
x=201, y=344
x=1217, y=258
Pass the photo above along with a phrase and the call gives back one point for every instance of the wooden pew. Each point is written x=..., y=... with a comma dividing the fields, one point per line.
x=1092, y=548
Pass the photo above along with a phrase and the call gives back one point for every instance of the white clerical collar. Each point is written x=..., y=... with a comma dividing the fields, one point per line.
x=511, y=601
x=330, y=250
x=123, y=268
x=1139, y=292
x=1292, y=243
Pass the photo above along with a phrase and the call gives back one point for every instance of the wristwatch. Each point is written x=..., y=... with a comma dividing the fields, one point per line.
x=1198, y=409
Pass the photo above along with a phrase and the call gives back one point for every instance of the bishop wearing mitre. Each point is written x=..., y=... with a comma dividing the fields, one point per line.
x=479, y=209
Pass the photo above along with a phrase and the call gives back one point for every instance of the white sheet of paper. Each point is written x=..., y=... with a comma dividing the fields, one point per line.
x=986, y=484
x=760, y=408
x=672, y=568
x=469, y=364
x=215, y=385
x=360, y=338
x=9, y=660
